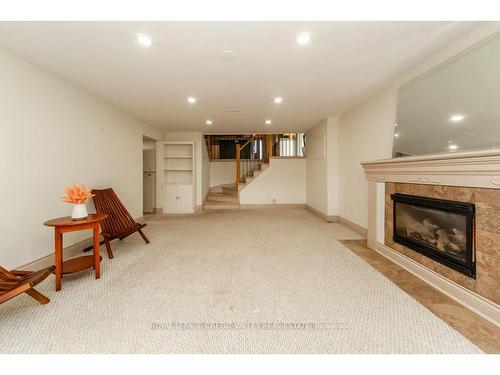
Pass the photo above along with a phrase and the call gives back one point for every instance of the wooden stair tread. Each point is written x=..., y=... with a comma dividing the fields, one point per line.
x=227, y=195
x=231, y=187
x=211, y=201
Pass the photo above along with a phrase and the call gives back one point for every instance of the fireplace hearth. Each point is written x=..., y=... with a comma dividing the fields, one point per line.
x=442, y=230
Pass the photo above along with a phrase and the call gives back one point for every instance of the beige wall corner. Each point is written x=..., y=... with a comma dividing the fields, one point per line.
x=316, y=168
x=322, y=167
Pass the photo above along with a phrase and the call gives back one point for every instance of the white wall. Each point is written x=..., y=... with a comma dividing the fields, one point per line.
x=199, y=143
x=222, y=172
x=366, y=132
x=332, y=164
x=54, y=134
x=283, y=182
x=316, y=176
x=322, y=166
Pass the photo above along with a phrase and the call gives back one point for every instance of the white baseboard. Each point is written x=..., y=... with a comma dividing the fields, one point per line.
x=325, y=217
x=354, y=227
x=179, y=211
x=339, y=219
x=68, y=252
x=273, y=205
x=473, y=301
x=48, y=260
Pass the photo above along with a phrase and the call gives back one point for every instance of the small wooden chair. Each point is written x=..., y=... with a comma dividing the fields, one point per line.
x=119, y=223
x=13, y=283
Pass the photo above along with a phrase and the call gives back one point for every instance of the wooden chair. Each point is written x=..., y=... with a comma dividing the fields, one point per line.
x=119, y=223
x=13, y=283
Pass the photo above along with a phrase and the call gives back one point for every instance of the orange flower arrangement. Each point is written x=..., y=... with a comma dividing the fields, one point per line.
x=77, y=194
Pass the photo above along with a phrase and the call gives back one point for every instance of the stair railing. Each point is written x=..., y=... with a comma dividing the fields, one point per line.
x=250, y=155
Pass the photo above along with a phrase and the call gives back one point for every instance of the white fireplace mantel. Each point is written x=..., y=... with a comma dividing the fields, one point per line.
x=479, y=169
x=473, y=169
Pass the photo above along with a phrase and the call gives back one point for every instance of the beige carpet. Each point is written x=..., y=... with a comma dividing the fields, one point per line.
x=242, y=281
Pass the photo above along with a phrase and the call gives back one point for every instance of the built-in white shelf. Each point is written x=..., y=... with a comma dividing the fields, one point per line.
x=177, y=177
x=149, y=170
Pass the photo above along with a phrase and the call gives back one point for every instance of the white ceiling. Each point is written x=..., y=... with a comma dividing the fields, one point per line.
x=344, y=63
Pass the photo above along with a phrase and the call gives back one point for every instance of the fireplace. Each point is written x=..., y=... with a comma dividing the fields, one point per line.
x=442, y=230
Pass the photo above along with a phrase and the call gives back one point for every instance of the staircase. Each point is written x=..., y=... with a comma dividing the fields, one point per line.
x=228, y=196
x=252, y=156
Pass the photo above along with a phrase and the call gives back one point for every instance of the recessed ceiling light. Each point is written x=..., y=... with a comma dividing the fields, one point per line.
x=144, y=39
x=452, y=147
x=209, y=122
x=396, y=135
x=278, y=100
x=457, y=118
x=396, y=125
x=303, y=38
x=191, y=99
x=268, y=122
x=228, y=55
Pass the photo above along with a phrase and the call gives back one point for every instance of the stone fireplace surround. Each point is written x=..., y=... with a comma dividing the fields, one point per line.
x=467, y=177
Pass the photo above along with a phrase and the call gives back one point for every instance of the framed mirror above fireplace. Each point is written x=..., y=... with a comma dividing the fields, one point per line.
x=452, y=107
x=442, y=230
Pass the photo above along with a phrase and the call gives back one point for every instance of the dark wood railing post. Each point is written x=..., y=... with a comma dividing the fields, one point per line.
x=269, y=147
x=209, y=146
x=238, y=156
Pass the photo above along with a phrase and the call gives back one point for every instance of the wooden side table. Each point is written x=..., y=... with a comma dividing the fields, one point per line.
x=67, y=224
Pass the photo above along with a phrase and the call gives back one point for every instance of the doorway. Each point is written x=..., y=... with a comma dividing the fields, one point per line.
x=149, y=174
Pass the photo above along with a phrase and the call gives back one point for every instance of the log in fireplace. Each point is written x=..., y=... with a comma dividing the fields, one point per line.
x=442, y=230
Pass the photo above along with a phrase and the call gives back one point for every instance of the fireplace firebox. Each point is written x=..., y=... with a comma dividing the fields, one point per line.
x=442, y=230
